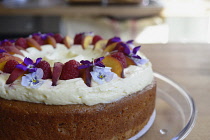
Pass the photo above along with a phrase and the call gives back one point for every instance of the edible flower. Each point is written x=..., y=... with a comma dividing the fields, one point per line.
x=7, y=42
x=102, y=74
x=33, y=80
x=43, y=36
x=113, y=40
x=132, y=53
x=1, y=51
x=29, y=66
x=96, y=62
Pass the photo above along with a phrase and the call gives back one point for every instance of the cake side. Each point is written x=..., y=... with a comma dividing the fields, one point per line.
x=117, y=120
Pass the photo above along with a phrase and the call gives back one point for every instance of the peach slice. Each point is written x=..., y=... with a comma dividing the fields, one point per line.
x=33, y=43
x=16, y=74
x=86, y=76
x=115, y=64
x=129, y=61
x=100, y=44
x=86, y=41
x=13, y=50
x=50, y=40
x=110, y=47
x=57, y=69
x=6, y=58
x=96, y=38
x=67, y=41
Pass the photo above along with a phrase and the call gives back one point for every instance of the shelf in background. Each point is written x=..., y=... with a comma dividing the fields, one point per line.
x=138, y=10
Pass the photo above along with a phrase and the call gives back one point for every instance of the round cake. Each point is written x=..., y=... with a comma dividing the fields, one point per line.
x=54, y=87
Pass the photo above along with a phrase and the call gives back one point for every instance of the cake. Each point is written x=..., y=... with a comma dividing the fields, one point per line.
x=54, y=87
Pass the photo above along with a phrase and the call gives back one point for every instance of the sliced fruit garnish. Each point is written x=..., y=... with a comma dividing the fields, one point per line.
x=110, y=47
x=96, y=38
x=113, y=40
x=86, y=76
x=45, y=66
x=67, y=41
x=38, y=39
x=16, y=74
x=100, y=44
x=86, y=41
x=6, y=58
x=129, y=61
x=78, y=38
x=10, y=66
x=13, y=50
x=57, y=69
x=58, y=38
x=115, y=64
x=121, y=57
x=33, y=43
x=6, y=43
x=50, y=40
x=21, y=42
x=70, y=70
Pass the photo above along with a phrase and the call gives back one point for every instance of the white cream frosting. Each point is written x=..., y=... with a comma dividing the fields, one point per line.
x=74, y=91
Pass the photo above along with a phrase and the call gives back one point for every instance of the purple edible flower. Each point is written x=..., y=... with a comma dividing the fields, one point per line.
x=96, y=62
x=29, y=66
x=136, y=58
x=6, y=40
x=1, y=51
x=126, y=50
x=43, y=36
x=85, y=64
x=135, y=50
x=129, y=42
x=113, y=40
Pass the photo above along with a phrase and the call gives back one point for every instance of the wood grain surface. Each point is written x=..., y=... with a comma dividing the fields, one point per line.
x=188, y=65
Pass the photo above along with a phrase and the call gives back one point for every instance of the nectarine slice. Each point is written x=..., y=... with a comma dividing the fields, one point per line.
x=115, y=64
x=67, y=41
x=110, y=47
x=100, y=44
x=86, y=41
x=50, y=40
x=129, y=61
x=33, y=43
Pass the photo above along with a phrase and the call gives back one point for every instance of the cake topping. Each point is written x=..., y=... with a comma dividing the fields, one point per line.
x=102, y=74
x=6, y=43
x=97, y=62
x=1, y=50
x=10, y=66
x=105, y=69
x=21, y=42
x=121, y=57
x=70, y=70
x=29, y=65
x=33, y=80
x=45, y=66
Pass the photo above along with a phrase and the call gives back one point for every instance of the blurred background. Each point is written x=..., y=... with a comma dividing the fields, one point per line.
x=145, y=21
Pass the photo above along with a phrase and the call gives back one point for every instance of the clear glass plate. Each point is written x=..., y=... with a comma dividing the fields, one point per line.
x=175, y=112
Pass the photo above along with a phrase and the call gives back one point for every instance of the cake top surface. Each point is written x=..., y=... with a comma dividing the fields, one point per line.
x=56, y=70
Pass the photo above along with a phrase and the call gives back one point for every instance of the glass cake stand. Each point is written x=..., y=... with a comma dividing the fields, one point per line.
x=174, y=115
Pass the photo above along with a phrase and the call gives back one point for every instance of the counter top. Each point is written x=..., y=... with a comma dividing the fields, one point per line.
x=188, y=65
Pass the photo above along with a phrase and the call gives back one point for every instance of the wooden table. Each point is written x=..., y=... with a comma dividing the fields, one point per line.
x=188, y=65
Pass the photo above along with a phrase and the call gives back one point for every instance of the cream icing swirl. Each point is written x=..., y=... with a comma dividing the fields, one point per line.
x=75, y=91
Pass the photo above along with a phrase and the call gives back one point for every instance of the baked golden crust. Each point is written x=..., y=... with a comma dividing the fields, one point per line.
x=118, y=120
